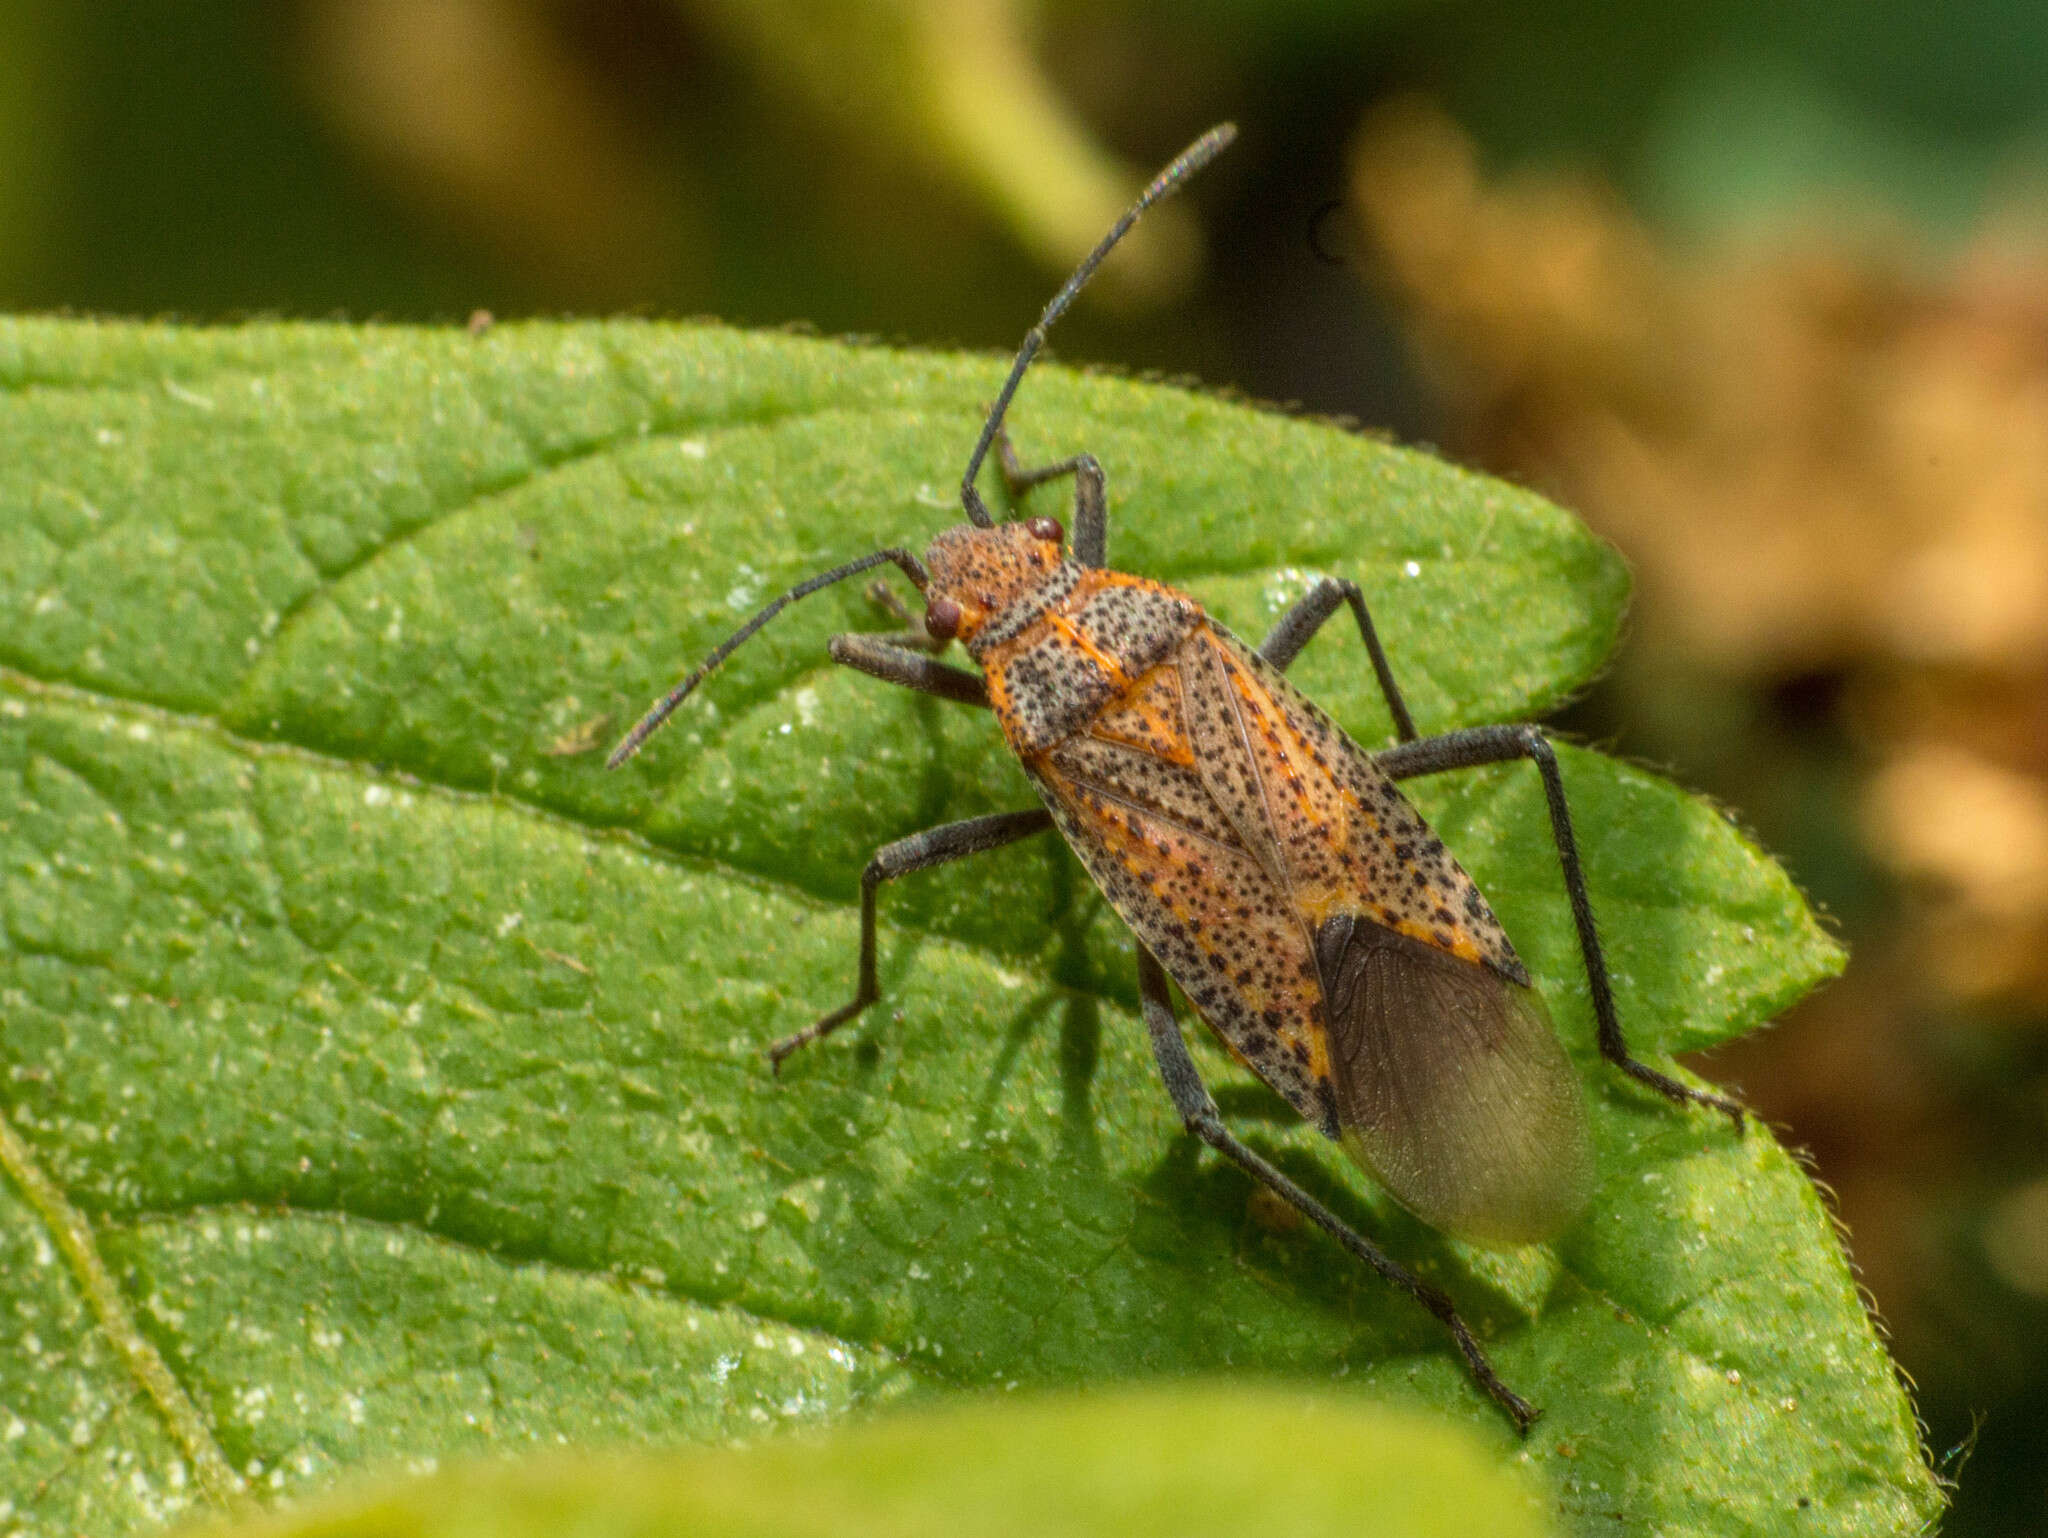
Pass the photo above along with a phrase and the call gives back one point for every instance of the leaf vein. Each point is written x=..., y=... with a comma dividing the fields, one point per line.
x=669, y=1289
x=545, y=464
x=73, y=1235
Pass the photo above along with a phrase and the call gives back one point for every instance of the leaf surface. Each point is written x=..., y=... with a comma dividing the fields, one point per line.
x=401, y=1070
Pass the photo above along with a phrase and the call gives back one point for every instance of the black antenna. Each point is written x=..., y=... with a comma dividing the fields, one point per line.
x=1185, y=164
x=650, y=723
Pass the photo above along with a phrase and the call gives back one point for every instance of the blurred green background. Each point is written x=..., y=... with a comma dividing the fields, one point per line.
x=1760, y=289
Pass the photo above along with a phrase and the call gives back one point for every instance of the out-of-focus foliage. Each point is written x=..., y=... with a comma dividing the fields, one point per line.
x=1195, y=1462
x=561, y=178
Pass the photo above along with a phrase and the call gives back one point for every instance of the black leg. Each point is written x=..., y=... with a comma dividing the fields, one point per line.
x=1477, y=745
x=1286, y=639
x=934, y=846
x=1198, y=1113
x=881, y=657
x=1091, y=497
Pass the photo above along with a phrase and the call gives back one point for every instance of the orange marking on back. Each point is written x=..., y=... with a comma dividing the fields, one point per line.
x=1095, y=581
x=1250, y=940
x=1149, y=718
x=1175, y=870
x=1332, y=825
x=1109, y=663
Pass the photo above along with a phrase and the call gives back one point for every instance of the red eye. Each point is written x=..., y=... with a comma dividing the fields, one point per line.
x=1048, y=528
x=942, y=619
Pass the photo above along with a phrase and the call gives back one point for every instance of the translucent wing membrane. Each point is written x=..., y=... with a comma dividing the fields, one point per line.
x=1452, y=1089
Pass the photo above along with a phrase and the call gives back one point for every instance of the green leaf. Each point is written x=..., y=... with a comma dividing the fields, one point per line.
x=396, y=1072
x=1182, y=1462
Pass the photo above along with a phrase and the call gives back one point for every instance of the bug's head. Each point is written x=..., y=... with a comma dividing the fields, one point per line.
x=977, y=573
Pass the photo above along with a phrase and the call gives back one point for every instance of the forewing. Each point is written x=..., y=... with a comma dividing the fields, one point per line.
x=1452, y=1088
x=1335, y=834
x=1139, y=815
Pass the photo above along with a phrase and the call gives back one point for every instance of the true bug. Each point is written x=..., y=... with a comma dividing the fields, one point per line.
x=1267, y=864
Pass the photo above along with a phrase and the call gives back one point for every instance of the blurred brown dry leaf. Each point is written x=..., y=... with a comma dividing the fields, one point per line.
x=1982, y=830
x=1821, y=453
x=485, y=113
x=1814, y=452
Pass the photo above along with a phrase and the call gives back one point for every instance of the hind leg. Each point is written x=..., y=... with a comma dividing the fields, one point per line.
x=1478, y=745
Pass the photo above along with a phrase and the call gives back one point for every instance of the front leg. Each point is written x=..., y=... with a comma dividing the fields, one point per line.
x=1091, y=495
x=880, y=657
x=1478, y=745
x=1199, y=1115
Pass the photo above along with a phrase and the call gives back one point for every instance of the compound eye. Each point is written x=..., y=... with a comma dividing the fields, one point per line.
x=1047, y=528
x=942, y=619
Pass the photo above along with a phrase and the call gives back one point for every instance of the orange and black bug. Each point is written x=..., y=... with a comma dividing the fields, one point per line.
x=1267, y=864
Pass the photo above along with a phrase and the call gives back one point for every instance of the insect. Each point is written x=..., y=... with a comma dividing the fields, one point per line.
x=1267, y=864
